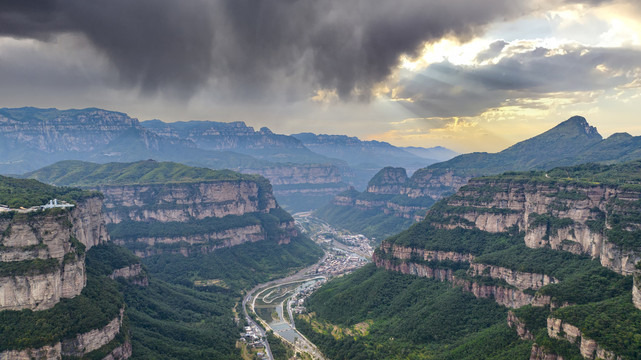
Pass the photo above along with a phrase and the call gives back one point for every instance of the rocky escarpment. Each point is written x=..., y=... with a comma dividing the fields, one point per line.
x=559, y=329
x=185, y=201
x=42, y=254
x=78, y=346
x=636, y=290
x=434, y=265
x=133, y=273
x=434, y=184
x=194, y=217
x=518, y=325
x=389, y=180
x=540, y=353
x=85, y=343
x=576, y=218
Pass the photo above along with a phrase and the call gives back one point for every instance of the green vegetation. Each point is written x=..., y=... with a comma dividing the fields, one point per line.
x=103, y=259
x=410, y=317
x=29, y=267
x=98, y=304
x=614, y=324
x=371, y=223
x=81, y=173
x=279, y=350
x=240, y=266
x=26, y=193
x=424, y=235
x=174, y=322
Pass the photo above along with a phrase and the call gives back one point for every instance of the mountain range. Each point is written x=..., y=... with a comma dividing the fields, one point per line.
x=303, y=179
x=571, y=142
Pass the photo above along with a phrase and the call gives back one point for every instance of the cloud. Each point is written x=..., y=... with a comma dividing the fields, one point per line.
x=250, y=49
x=445, y=89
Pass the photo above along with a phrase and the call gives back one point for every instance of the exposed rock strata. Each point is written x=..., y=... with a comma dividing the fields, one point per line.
x=48, y=236
x=95, y=339
x=519, y=326
x=78, y=346
x=182, y=202
x=510, y=297
x=123, y=351
x=496, y=206
x=539, y=353
x=558, y=329
x=521, y=280
x=133, y=272
x=44, y=353
x=636, y=290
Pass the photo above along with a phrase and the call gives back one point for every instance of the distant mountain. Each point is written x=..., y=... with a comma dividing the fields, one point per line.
x=31, y=138
x=566, y=143
x=238, y=137
x=437, y=153
x=365, y=157
x=571, y=142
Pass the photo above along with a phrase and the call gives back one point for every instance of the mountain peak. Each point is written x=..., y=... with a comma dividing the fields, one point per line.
x=576, y=125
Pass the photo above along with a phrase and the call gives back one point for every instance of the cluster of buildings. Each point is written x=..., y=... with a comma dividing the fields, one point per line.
x=252, y=336
x=339, y=262
x=50, y=205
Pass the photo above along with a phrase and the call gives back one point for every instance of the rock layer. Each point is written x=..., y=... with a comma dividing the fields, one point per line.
x=182, y=202
x=397, y=258
x=49, y=237
x=577, y=217
x=558, y=329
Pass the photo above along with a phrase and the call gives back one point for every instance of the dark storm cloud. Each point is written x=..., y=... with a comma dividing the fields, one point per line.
x=445, y=89
x=251, y=47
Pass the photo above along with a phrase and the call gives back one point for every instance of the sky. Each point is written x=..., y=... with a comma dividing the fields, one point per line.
x=468, y=75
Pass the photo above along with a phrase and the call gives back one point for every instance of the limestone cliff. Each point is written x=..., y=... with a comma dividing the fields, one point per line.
x=433, y=264
x=539, y=353
x=576, y=218
x=389, y=180
x=46, y=250
x=589, y=348
x=636, y=290
x=133, y=273
x=184, y=201
x=78, y=346
x=196, y=216
x=519, y=326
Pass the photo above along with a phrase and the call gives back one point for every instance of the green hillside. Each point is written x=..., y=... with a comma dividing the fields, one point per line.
x=81, y=173
x=406, y=320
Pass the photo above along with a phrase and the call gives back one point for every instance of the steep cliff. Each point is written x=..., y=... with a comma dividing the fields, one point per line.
x=565, y=241
x=162, y=207
x=43, y=252
x=571, y=142
x=505, y=286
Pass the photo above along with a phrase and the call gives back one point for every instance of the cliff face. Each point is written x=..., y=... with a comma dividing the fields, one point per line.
x=560, y=216
x=519, y=326
x=77, y=346
x=68, y=131
x=589, y=348
x=388, y=181
x=429, y=264
x=43, y=262
x=188, y=217
x=45, y=244
x=636, y=290
x=95, y=339
x=182, y=202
